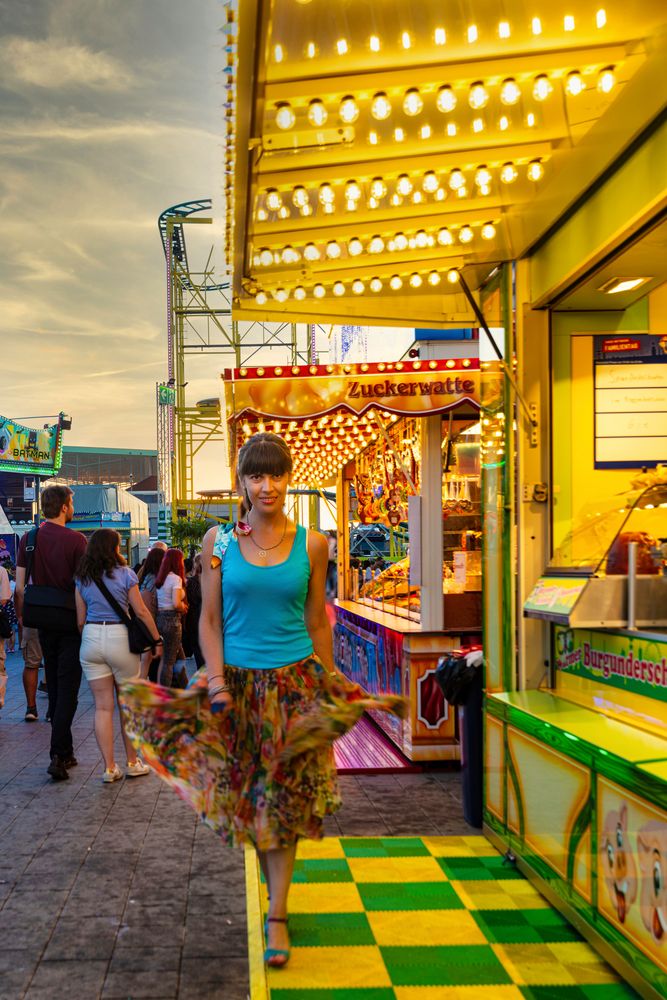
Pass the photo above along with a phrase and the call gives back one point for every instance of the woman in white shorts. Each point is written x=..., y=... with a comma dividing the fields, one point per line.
x=106, y=659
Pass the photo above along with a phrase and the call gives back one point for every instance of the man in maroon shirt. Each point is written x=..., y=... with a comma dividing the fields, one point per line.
x=56, y=557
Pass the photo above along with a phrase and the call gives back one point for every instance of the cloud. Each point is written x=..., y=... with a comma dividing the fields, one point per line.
x=55, y=64
x=89, y=130
x=32, y=267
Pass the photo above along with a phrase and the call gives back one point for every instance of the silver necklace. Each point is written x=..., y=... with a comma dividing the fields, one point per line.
x=263, y=549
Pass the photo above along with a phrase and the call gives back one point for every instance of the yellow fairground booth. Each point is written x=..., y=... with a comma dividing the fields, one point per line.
x=503, y=168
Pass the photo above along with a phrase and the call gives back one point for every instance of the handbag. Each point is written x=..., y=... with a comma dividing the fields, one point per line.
x=455, y=677
x=6, y=630
x=48, y=608
x=138, y=634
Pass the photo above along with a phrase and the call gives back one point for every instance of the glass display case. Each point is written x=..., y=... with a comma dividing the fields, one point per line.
x=591, y=581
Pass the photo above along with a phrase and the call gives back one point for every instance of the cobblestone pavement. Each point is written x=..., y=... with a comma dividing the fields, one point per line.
x=116, y=891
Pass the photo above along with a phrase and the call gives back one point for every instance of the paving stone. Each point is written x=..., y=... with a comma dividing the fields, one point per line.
x=89, y=939
x=137, y=983
x=60, y=979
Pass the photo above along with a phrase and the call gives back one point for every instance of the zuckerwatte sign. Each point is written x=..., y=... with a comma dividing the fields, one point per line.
x=29, y=450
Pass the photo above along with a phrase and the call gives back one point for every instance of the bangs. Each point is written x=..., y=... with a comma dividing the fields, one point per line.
x=264, y=458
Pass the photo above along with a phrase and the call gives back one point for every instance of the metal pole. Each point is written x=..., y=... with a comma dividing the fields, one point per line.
x=37, y=483
x=632, y=585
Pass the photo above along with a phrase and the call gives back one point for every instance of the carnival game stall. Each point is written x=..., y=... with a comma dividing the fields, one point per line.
x=392, y=437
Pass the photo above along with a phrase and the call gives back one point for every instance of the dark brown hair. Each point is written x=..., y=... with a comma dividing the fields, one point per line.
x=264, y=454
x=172, y=563
x=53, y=499
x=100, y=556
x=152, y=563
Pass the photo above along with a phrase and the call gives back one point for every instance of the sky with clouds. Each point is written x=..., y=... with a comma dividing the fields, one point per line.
x=109, y=113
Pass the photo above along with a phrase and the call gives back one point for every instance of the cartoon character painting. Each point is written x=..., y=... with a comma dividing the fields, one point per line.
x=652, y=850
x=618, y=863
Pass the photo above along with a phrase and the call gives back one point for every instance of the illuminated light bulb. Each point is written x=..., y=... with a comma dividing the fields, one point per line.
x=483, y=176
x=412, y=243
x=542, y=87
x=452, y=129
x=342, y=47
x=311, y=50
x=462, y=192
x=465, y=234
x=355, y=247
x=503, y=123
x=285, y=116
x=299, y=196
x=531, y=120
x=261, y=215
x=373, y=202
x=440, y=194
x=406, y=40
x=568, y=22
x=430, y=182
x=290, y=255
x=374, y=43
x=256, y=260
x=446, y=99
x=281, y=295
x=378, y=188
x=433, y=278
x=319, y=291
x=535, y=170
x=440, y=36
x=380, y=107
x=473, y=34
x=421, y=239
x=352, y=191
x=326, y=194
x=277, y=258
x=412, y=102
x=376, y=245
x=284, y=212
x=478, y=97
x=404, y=185
x=401, y=241
x=399, y=134
x=299, y=293
x=601, y=18
x=278, y=53
x=395, y=282
x=574, y=84
x=484, y=189
x=417, y=197
x=536, y=26
x=453, y=276
x=425, y=132
x=348, y=110
x=338, y=288
x=317, y=113
x=396, y=200
x=456, y=179
x=478, y=125
x=445, y=238
x=260, y=298
x=358, y=286
x=510, y=92
x=310, y=252
x=508, y=173
x=488, y=231
x=373, y=138
x=606, y=80
x=375, y=285
x=504, y=30
x=416, y=280
x=333, y=250
x=266, y=257
x=273, y=200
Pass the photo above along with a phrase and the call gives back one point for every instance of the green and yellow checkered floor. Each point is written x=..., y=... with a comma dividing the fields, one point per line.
x=420, y=918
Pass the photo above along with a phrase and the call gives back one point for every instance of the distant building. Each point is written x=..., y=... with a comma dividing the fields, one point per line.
x=124, y=466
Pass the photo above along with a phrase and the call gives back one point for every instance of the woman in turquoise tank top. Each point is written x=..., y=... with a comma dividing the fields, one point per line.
x=249, y=746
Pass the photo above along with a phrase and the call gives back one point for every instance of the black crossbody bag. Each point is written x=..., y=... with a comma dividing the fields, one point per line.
x=48, y=608
x=138, y=634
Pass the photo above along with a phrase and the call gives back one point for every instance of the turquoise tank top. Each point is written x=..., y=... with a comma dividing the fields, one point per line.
x=262, y=608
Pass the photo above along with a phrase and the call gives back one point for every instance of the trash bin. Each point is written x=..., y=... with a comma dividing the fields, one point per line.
x=460, y=676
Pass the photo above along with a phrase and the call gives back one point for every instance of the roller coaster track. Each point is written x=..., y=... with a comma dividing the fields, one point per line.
x=178, y=245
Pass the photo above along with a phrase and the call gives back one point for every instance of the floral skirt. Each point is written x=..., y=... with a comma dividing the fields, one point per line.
x=263, y=772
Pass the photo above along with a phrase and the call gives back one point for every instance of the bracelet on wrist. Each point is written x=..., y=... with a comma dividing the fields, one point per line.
x=214, y=692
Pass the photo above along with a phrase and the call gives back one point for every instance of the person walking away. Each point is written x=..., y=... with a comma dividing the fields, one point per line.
x=106, y=658
x=52, y=562
x=146, y=577
x=250, y=744
x=170, y=586
x=5, y=600
x=192, y=615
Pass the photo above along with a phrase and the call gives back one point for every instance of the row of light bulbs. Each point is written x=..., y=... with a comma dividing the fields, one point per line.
x=333, y=250
x=358, y=287
x=440, y=37
x=446, y=100
x=430, y=183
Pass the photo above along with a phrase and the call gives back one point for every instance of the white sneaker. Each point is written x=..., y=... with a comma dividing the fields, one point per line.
x=112, y=774
x=137, y=769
